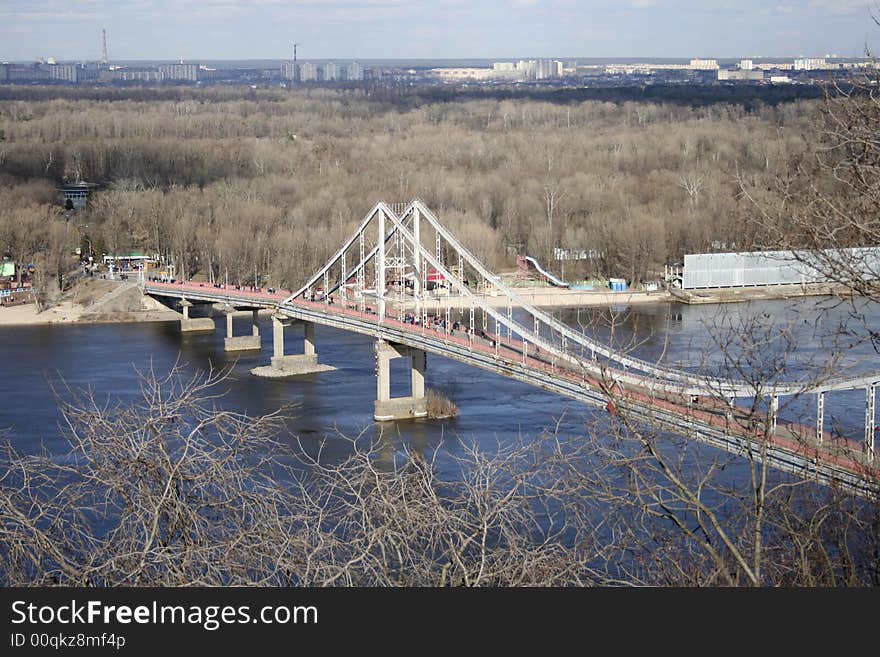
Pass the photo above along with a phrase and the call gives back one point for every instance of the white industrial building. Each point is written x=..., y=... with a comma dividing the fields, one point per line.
x=709, y=270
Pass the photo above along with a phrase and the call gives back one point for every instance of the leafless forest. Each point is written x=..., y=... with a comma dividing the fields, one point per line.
x=226, y=179
x=229, y=179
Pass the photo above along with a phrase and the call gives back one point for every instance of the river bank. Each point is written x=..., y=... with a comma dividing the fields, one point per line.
x=761, y=293
x=92, y=301
x=550, y=297
x=96, y=301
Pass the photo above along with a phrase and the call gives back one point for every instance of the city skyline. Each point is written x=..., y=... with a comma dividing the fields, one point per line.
x=394, y=29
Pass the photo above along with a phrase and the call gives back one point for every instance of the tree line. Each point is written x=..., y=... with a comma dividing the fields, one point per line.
x=226, y=179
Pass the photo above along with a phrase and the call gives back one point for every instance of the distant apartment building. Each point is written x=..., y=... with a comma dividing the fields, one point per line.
x=289, y=71
x=130, y=75
x=704, y=64
x=514, y=71
x=187, y=72
x=354, y=71
x=589, y=71
x=746, y=65
x=507, y=71
x=453, y=74
x=331, y=72
x=546, y=69
x=86, y=72
x=526, y=70
x=742, y=75
x=810, y=64
x=541, y=69
x=308, y=72
x=63, y=72
x=770, y=66
x=34, y=73
x=4, y=72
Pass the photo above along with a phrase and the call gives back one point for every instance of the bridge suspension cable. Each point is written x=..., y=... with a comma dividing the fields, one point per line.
x=399, y=237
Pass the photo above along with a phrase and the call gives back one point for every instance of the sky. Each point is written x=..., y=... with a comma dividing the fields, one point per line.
x=405, y=29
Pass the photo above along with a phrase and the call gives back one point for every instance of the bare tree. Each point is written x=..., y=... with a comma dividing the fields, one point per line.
x=692, y=184
x=174, y=490
x=827, y=205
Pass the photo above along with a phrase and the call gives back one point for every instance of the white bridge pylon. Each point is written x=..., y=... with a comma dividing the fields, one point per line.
x=391, y=240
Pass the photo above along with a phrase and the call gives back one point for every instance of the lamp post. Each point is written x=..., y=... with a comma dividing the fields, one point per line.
x=88, y=239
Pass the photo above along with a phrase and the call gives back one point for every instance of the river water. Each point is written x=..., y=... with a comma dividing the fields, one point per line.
x=107, y=357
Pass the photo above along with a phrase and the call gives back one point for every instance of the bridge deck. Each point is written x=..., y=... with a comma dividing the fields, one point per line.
x=791, y=447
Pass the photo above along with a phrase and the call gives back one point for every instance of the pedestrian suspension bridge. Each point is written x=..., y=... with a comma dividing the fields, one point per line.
x=402, y=278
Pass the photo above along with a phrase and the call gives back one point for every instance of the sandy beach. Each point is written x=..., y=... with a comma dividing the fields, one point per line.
x=92, y=301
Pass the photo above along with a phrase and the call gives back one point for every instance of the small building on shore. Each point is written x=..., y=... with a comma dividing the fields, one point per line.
x=129, y=261
x=12, y=291
x=75, y=195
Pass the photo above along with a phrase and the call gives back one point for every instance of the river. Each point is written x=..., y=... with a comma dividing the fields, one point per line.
x=107, y=357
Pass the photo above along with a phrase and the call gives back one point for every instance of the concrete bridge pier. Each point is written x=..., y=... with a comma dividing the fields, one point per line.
x=283, y=366
x=194, y=324
x=242, y=342
x=399, y=408
x=870, y=420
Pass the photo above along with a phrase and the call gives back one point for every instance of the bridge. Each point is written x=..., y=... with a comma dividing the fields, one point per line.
x=394, y=280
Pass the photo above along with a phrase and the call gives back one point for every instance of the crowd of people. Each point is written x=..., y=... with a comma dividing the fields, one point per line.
x=438, y=323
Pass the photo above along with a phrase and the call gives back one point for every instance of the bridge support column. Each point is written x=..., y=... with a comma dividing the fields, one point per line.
x=194, y=325
x=399, y=408
x=309, y=340
x=282, y=366
x=278, y=324
x=241, y=342
x=418, y=373
x=774, y=413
